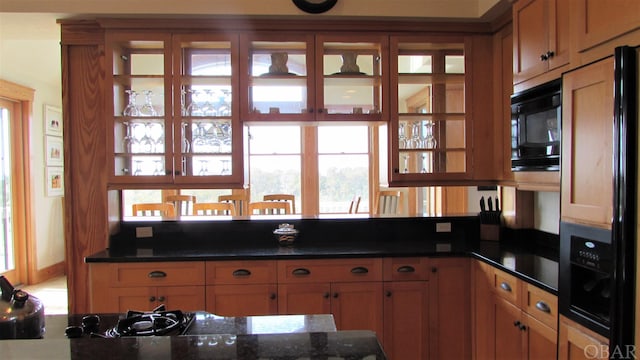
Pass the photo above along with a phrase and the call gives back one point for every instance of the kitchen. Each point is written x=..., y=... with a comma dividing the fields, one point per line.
x=595, y=55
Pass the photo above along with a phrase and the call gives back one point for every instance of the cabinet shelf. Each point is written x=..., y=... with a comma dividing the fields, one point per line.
x=406, y=78
x=190, y=80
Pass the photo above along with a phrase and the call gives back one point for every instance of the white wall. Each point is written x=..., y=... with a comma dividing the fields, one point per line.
x=547, y=211
x=30, y=59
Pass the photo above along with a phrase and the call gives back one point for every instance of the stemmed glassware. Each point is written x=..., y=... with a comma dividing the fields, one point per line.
x=146, y=142
x=225, y=167
x=185, y=142
x=131, y=109
x=207, y=108
x=127, y=140
x=429, y=140
x=402, y=137
x=416, y=140
x=147, y=109
x=193, y=109
x=406, y=163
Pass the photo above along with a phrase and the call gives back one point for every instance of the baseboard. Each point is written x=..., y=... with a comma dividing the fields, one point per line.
x=48, y=273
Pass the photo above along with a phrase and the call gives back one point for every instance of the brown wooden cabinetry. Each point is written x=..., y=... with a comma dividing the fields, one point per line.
x=449, y=309
x=241, y=288
x=350, y=289
x=170, y=115
x=540, y=38
x=406, y=308
x=307, y=77
x=577, y=342
x=593, y=23
x=118, y=287
x=587, y=137
x=512, y=319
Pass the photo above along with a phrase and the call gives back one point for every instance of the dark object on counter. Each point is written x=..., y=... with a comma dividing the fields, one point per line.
x=490, y=220
x=22, y=315
x=286, y=234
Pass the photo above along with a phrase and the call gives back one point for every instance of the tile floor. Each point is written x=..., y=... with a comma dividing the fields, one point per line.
x=52, y=293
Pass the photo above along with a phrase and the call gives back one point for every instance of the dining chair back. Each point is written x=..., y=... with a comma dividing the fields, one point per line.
x=240, y=201
x=388, y=202
x=291, y=199
x=219, y=208
x=269, y=208
x=183, y=204
x=154, y=209
x=355, y=203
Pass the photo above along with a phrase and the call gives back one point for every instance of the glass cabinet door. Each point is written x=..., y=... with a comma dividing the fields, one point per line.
x=428, y=121
x=278, y=80
x=350, y=77
x=140, y=92
x=207, y=135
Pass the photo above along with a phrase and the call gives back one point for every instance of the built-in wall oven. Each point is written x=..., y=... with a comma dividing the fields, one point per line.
x=586, y=276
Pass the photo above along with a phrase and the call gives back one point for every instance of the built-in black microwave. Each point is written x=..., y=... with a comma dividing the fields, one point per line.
x=535, y=128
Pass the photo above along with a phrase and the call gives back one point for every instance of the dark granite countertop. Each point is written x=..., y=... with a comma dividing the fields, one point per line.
x=253, y=337
x=528, y=254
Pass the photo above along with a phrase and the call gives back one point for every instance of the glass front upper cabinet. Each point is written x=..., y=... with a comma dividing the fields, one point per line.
x=207, y=131
x=277, y=77
x=140, y=95
x=351, y=78
x=429, y=127
x=178, y=128
x=313, y=78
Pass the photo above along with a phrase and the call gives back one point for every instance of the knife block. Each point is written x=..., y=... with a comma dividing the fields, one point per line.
x=490, y=232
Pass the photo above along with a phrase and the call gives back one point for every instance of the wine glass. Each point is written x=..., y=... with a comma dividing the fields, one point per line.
x=147, y=143
x=138, y=170
x=127, y=139
x=429, y=140
x=147, y=109
x=406, y=163
x=207, y=108
x=131, y=109
x=416, y=139
x=204, y=167
x=225, y=167
x=193, y=109
x=158, y=169
x=402, y=139
x=185, y=142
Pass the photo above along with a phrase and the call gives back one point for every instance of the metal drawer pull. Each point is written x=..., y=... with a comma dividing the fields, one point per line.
x=406, y=269
x=505, y=286
x=301, y=272
x=157, y=274
x=241, y=272
x=542, y=306
x=359, y=270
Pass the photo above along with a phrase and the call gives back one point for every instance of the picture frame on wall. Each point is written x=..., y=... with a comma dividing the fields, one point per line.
x=54, y=153
x=52, y=120
x=55, y=181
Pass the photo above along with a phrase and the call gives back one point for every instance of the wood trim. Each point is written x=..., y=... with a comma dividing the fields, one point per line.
x=310, y=185
x=24, y=227
x=49, y=272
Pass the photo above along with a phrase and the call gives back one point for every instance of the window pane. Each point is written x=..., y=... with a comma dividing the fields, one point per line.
x=341, y=178
x=274, y=140
x=131, y=197
x=206, y=195
x=343, y=139
x=6, y=228
x=275, y=174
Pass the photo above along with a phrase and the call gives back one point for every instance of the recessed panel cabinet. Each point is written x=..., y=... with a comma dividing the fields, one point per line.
x=541, y=37
x=587, y=140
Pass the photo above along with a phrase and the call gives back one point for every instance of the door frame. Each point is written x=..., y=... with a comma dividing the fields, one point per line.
x=21, y=98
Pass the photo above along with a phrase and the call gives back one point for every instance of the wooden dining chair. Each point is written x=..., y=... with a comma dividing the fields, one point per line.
x=240, y=201
x=269, y=208
x=183, y=204
x=154, y=209
x=388, y=202
x=219, y=208
x=355, y=203
x=291, y=199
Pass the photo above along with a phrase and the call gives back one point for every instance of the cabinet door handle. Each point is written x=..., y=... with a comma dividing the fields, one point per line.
x=157, y=274
x=335, y=295
x=434, y=269
x=542, y=306
x=406, y=269
x=273, y=296
x=522, y=327
x=326, y=295
x=359, y=270
x=550, y=54
x=152, y=299
x=505, y=286
x=388, y=294
x=301, y=272
x=241, y=273
x=544, y=57
x=516, y=323
x=161, y=298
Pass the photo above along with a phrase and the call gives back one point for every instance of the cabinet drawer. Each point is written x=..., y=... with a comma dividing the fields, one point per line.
x=153, y=274
x=329, y=270
x=405, y=269
x=506, y=286
x=542, y=305
x=240, y=272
